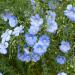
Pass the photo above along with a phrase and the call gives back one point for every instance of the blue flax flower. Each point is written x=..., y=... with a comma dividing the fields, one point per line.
x=30, y=39
x=36, y=23
x=60, y=59
x=36, y=20
x=27, y=56
x=34, y=29
x=52, y=27
x=62, y=73
x=24, y=56
x=6, y=36
x=18, y=30
x=39, y=49
x=3, y=49
x=44, y=39
x=50, y=16
x=70, y=12
x=65, y=46
x=13, y=21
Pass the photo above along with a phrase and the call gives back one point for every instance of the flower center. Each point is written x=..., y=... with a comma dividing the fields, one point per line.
x=44, y=40
x=39, y=48
x=30, y=37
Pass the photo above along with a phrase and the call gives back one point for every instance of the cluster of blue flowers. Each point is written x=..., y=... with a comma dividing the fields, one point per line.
x=64, y=47
x=12, y=20
x=70, y=12
x=39, y=47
